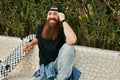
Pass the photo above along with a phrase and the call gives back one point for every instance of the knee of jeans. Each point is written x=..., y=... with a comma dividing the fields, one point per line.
x=68, y=50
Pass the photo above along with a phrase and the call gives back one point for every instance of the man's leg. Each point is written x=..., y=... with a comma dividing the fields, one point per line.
x=65, y=61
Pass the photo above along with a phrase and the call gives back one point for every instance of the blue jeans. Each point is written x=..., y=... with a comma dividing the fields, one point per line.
x=63, y=63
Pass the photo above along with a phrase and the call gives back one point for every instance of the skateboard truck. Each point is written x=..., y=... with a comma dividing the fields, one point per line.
x=30, y=40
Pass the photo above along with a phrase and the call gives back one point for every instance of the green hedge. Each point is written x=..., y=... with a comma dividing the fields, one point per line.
x=96, y=22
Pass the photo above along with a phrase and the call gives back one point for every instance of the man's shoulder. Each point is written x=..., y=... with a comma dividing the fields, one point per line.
x=40, y=26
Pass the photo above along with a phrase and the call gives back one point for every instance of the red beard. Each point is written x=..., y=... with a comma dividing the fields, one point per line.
x=51, y=30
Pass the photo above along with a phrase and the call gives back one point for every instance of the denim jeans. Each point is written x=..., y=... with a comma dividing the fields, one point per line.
x=63, y=63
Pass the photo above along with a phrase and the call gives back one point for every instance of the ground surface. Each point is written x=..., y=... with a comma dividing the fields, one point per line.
x=95, y=64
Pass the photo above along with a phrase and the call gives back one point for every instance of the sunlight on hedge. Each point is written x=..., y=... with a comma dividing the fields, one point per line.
x=96, y=23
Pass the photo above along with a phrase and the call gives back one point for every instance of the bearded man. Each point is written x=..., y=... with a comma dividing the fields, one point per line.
x=55, y=41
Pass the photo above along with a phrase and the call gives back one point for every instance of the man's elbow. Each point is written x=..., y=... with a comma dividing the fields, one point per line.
x=72, y=41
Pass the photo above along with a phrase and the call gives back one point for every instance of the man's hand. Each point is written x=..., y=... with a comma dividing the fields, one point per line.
x=26, y=48
x=28, y=45
x=61, y=16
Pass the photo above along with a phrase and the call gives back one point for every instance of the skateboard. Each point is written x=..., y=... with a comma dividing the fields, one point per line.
x=14, y=58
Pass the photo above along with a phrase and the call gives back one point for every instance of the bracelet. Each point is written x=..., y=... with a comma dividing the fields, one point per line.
x=63, y=21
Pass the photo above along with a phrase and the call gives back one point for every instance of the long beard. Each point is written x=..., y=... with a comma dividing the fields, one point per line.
x=51, y=30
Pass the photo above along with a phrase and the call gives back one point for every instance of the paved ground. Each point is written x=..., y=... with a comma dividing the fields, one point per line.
x=95, y=64
x=98, y=64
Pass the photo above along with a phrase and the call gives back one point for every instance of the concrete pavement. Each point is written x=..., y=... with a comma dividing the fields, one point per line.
x=94, y=63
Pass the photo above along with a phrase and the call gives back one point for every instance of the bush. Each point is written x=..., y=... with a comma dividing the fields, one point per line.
x=96, y=23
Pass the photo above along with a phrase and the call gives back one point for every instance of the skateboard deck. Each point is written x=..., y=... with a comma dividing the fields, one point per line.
x=14, y=58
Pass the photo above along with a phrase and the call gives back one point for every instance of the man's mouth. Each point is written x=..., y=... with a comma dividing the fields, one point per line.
x=52, y=19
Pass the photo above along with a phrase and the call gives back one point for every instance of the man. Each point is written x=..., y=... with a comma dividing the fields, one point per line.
x=55, y=40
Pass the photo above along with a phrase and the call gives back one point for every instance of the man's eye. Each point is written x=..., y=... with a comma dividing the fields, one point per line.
x=55, y=13
x=49, y=13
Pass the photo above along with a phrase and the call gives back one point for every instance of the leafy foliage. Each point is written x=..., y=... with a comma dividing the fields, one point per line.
x=96, y=22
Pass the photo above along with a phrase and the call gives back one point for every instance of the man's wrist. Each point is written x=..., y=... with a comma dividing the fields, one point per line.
x=63, y=21
x=28, y=45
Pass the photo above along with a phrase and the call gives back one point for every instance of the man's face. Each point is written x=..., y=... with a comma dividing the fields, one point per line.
x=52, y=17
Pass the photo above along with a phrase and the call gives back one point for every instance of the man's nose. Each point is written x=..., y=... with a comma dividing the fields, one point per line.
x=51, y=16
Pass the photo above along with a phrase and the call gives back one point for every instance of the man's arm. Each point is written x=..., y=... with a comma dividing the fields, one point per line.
x=27, y=46
x=69, y=33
